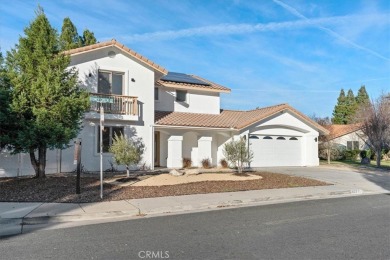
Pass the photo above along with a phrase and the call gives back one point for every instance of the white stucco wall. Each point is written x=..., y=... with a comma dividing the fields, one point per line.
x=142, y=86
x=197, y=101
x=355, y=136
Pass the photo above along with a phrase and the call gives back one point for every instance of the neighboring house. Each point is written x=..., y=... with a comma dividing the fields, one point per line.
x=177, y=115
x=349, y=136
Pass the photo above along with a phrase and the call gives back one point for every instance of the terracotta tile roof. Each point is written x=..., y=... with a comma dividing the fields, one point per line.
x=336, y=131
x=122, y=47
x=228, y=119
x=183, y=85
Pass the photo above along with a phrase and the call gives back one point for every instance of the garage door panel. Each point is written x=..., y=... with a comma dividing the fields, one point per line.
x=276, y=152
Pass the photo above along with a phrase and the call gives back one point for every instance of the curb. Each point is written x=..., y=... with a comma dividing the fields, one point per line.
x=163, y=211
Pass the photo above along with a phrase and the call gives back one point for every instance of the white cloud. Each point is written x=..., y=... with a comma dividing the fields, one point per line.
x=329, y=31
x=228, y=29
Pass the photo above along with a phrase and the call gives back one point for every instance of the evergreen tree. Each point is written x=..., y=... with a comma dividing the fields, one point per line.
x=339, y=112
x=362, y=97
x=351, y=107
x=69, y=38
x=7, y=122
x=88, y=38
x=45, y=98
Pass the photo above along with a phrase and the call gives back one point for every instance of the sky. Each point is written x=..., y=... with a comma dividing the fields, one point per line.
x=268, y=52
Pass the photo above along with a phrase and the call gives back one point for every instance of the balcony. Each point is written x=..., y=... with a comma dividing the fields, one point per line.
x=115, y=106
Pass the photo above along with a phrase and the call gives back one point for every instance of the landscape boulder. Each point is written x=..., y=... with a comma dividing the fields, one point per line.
x=175, y=172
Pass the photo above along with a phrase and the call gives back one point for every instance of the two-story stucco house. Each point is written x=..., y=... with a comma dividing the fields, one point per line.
x=177, y=116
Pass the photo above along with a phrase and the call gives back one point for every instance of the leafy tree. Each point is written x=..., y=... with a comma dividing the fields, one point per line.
x=339, y=111
x=127, y=151
x=237, y=153
x=88, y=38
x=69, y=38
x=362, y=97
x=45, y=98
x=375, y=119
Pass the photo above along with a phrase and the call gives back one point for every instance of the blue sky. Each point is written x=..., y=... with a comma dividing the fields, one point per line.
x=300, y=52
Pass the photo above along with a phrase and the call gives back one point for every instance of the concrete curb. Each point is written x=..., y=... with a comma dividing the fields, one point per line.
x=189, y=209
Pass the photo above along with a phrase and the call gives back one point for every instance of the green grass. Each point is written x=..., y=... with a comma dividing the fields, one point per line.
x=356, y=163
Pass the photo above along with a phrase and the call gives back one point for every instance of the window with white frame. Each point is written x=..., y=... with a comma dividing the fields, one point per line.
x=108, y=136
x=352, y=145
x=181, y=96
x=110, y=82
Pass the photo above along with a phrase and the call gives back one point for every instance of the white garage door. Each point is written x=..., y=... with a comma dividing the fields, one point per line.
x=276, y=150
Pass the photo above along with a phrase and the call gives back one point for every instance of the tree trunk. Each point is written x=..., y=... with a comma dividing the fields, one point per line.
x=39, y=164
x=127, y=172
x=328, y=154
x=378, y=157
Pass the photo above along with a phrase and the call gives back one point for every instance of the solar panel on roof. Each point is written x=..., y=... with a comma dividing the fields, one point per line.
x=183, y=78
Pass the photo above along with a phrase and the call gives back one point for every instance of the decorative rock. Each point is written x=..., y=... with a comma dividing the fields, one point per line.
x=175, y=172
x=192, y=172
x=365, y=161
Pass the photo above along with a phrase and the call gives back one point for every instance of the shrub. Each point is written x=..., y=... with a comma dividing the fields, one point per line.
x=206, y=163
x=351, y=154
x=187, y=163
x=224, y=163
x=127, y=151
x=237, y=153
x=363, y=154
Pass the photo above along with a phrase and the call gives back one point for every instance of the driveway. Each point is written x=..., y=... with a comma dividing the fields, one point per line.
x=361, y=180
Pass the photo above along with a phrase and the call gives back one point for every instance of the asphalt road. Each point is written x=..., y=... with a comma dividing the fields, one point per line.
x=344, y=228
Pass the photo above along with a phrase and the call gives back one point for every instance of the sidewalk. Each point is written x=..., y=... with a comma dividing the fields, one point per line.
x=17, y=218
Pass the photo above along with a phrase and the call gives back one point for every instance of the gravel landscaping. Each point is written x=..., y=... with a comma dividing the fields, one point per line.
x=61, y=188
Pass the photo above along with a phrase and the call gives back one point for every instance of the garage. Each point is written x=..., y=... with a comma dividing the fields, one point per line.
x=276, y=150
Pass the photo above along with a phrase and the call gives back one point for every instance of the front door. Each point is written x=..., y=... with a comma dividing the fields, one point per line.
x=157, y=149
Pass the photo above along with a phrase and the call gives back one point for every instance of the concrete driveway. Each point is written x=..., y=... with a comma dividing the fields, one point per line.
x=360, y=180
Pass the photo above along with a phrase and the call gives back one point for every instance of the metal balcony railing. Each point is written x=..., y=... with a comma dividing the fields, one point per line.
x=114, y=104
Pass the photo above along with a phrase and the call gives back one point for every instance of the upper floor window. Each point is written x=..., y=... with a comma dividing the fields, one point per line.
x=181, y=95
x=352, y=145
x=108, y=136
x=156, y=96
x=110, y=82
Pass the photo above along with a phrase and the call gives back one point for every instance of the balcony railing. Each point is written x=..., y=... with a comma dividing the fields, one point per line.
x=114, y=104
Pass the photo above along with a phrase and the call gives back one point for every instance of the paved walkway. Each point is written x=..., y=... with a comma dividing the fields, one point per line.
x=17, y=218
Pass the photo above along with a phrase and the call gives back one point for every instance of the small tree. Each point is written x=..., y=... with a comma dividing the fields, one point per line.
x=127, y=151
x=375, y=119
x=238, y=153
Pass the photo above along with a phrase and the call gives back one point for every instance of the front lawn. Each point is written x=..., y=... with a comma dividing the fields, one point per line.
x=60, y=188
x=357, y=164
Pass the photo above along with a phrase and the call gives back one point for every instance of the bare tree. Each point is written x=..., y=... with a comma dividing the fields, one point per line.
x=325, y=142
x=375, y=119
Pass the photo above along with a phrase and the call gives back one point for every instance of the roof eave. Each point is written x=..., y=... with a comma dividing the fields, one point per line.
x=168, y=85
x=113, y=43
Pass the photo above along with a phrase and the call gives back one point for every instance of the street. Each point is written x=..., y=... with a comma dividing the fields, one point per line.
x=342, y=228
